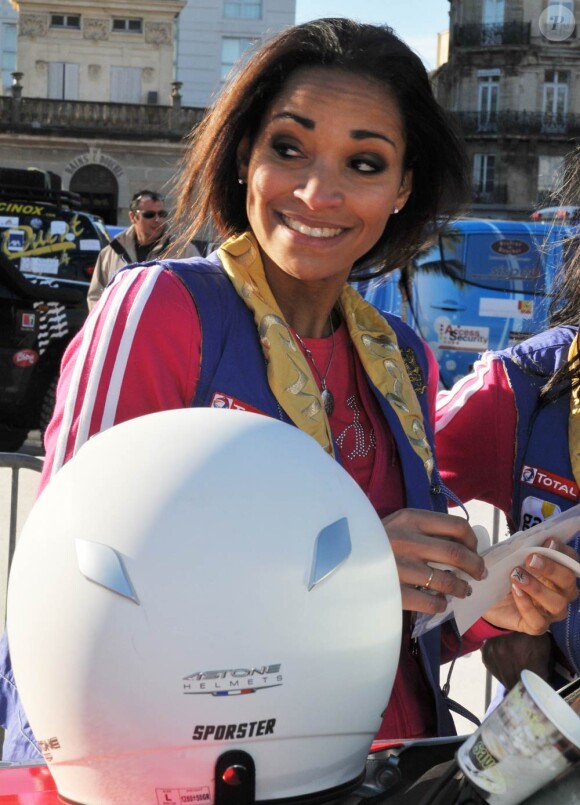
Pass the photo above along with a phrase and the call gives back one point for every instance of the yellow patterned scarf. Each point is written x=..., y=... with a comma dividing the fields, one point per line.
x=574, y=419
x=289, y=375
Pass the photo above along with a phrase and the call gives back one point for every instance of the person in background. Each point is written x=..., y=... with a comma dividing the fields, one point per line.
x=146, y=239
x=509, y=434
x=324, y=158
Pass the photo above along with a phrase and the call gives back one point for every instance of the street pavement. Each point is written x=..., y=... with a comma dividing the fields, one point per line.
x=468, y=681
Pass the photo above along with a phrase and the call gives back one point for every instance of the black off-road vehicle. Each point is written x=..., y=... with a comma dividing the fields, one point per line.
x=38, y=318
x=47, y=252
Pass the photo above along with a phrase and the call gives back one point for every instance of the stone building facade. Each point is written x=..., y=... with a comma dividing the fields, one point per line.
x=98, y=97
x=512, y=81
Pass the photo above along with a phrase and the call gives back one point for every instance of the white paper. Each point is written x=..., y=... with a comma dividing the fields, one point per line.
x=500, y=561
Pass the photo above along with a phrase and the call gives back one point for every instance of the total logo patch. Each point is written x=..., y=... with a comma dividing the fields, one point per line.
x=549, y=481
x=221, y=400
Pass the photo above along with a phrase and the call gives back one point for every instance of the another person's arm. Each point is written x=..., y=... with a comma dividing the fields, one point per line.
x=540, y=595
x=98, y=280
x=475, y=435
x=475, y=444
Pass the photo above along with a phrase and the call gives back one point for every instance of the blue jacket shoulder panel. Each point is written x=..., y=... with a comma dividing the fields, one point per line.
x=543, y=480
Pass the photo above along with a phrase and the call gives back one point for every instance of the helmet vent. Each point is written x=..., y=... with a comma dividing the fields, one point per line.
x=332, y=548
x=103, y=565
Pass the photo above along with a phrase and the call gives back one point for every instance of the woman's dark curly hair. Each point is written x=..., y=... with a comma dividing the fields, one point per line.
x=208, y=188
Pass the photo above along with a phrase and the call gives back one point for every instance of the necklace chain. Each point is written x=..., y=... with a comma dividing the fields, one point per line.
x=326, y=394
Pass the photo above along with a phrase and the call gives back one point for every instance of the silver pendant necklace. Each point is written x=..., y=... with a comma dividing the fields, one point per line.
x=325, y=394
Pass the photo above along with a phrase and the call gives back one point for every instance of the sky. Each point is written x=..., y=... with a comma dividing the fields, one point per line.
x=417, y=22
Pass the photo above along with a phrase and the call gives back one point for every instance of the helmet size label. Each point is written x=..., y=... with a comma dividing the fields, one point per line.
x=183, y=796
x=233, y=732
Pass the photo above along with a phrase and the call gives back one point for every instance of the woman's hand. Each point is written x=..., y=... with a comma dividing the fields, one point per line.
x=540, y=594
x=420, y=537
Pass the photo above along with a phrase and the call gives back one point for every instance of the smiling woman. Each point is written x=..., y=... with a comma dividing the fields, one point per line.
x=323, y=177
x=326, y=158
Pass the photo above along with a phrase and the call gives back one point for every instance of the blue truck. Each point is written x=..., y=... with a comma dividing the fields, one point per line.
x=482, y=284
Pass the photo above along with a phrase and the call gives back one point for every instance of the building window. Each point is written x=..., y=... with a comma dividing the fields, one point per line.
x=232, y=51
x=493, y=12
x=72, y=21
x=549, y=175
x=128, y=25
x=487, y=99
x=126, y=85
x=555, y=101
x=8, y=51
x=483, y=174
x=63, y=81
x=560, y=23
x=555, y=6
x=247, y=9
x=493, y=21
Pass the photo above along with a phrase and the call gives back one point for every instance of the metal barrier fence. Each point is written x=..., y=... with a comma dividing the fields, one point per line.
x=15, y=462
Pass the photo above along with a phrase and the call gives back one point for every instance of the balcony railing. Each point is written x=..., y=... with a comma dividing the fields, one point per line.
x=475, y=35
x=93, y=119
x=518, y=123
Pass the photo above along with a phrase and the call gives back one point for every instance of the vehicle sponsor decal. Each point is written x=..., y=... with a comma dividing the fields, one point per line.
x=15, y=240
x=184, y=796
x=506, y=308
x=89, y=245
x=233, y=732
x=31, y=242
x=462, y=337
x=58, y=228
x=23, y=209
x=39, y=265
x=221, y=400
x=511, y=271
x=549, y=481
x=535, y=510
x=510, y=247
x=9, y=220
x=27, y=321
x=25, y=358
x=233, y=681
x=52, y=319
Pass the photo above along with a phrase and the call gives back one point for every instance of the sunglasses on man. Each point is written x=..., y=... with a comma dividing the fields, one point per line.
x=149, y=214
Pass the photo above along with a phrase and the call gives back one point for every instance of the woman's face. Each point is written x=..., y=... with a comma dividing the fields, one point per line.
x=324, y=173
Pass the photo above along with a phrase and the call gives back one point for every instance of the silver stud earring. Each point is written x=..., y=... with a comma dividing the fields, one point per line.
x=395, y=210
x=241, y=181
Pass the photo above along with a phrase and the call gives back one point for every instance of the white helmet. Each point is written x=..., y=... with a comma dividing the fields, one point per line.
x=197, y=594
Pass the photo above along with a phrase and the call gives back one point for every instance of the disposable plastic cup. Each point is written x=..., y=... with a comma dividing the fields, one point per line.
x=530, y=739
